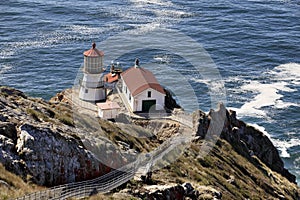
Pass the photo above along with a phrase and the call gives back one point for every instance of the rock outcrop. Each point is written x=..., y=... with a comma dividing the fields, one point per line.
x=171, y=192
x=247, y=140
x=170, y=102
x=39, y=147
x=39, y=141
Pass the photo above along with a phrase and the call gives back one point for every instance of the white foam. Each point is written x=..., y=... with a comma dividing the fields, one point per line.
x=145, y=28
x=268, y=95
x=284, y=145
x=171, y=13
x=162, y=58
x=165, y=13
x=155, y=2
x=87, y=30
x=280, y=104
x=203, y=81
x=287, y=72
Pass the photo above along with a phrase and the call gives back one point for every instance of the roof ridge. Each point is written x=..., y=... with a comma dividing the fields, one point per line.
x=140, y=79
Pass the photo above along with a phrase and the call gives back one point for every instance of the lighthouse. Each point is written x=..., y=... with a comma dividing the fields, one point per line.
x=92, y=85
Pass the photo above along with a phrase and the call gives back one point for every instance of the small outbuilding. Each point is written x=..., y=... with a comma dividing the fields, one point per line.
x=108, y=110
x=142, y=90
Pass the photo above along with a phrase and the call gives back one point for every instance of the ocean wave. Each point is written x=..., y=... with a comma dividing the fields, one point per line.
x=41, y=41
x=297, y=163
x=284, y=145
x=154, y=2
x=5, y=68
x=287, y=72
x=87, y=30
x=145, y=28
x=162, y=58
x=172, y=13
x=151, y=14
x=270, y=94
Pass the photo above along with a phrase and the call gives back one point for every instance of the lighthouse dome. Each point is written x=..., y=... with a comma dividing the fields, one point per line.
x=93, y=52
x=93, y=60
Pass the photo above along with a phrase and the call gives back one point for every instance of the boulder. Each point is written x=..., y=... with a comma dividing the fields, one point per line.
x=52, y=158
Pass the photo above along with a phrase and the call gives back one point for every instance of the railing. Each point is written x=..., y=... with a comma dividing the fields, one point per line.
x=117, y=177
x=183, y=118
x=108, y=181
x=154, y=115
x=82, y=189
x=74, y=98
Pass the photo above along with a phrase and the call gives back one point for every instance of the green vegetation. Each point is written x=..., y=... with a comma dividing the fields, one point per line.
x=226, y=170
x=223, y=168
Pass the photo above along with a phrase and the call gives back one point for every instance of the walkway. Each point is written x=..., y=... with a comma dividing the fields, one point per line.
x=111, y=180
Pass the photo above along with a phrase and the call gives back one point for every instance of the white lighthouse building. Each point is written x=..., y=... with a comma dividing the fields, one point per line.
x=92, y=85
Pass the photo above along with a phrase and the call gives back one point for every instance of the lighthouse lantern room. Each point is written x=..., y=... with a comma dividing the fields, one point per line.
x=92, y=85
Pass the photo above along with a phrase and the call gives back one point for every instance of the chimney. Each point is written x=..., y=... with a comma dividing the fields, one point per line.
x=137, y=63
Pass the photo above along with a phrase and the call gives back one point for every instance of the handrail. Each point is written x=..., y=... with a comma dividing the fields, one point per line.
x=110, y=180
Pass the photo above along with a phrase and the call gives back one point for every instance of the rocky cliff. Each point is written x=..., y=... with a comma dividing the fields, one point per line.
x=245, y=139
x=40, y=143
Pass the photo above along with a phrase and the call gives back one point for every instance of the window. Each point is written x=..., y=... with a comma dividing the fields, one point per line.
x=149, y=94
x=86, y=91
x=126, y=89
x=129, y=97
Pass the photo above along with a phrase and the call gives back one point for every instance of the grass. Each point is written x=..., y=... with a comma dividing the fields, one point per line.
x=115, y=134
x=16, y=186
x=219, y=166
x=50, y=116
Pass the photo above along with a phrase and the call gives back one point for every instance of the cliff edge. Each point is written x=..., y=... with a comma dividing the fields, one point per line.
x=40, y=143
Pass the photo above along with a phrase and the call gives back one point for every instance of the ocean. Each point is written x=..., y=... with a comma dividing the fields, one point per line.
x=255, y=45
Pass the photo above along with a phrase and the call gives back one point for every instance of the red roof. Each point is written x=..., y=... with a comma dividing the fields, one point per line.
x=139, y=79
x=93, y=52
x=110, y=78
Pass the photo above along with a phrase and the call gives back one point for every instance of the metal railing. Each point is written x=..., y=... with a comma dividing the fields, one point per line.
x=115, y=178
x=82, y=189
x=183, y=118
x=109, y=181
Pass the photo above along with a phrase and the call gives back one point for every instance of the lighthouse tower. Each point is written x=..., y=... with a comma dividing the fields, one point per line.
x=92, y=84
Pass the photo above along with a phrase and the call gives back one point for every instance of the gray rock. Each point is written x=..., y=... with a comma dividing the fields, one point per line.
x=8, y=129
x=247, y=140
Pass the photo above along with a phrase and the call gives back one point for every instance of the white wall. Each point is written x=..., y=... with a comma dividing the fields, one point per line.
x=92, y=94
x=136, y=102
x=160, y=99
x=92, y=80
x=127, y=94
x=108, y=114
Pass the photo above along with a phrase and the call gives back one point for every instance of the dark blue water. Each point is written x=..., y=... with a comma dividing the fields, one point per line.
x=254, y=44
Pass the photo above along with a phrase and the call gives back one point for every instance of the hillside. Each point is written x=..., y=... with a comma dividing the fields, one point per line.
x=42, y=143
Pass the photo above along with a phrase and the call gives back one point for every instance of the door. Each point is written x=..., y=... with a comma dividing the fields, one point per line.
x=147, y=104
